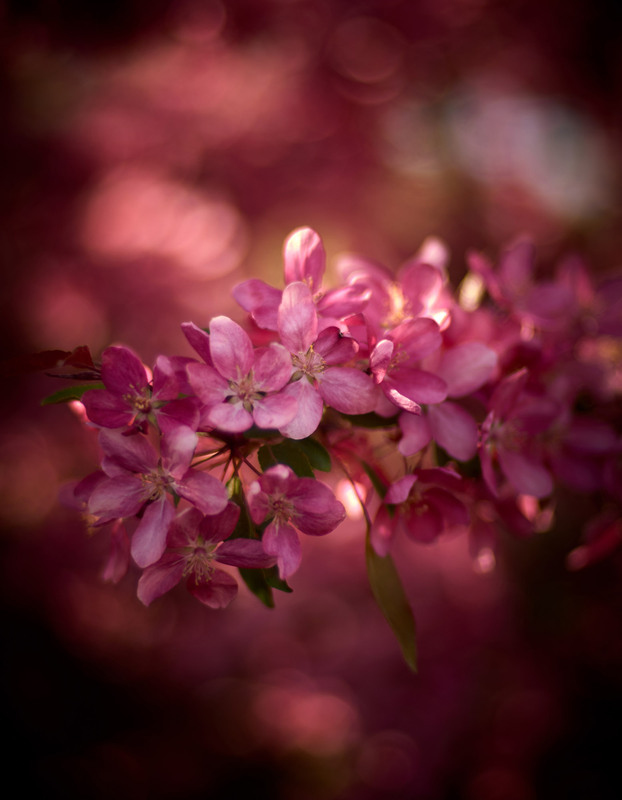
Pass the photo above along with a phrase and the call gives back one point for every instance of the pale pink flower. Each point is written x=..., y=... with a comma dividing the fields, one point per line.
x=244, y=384
x=314, y=354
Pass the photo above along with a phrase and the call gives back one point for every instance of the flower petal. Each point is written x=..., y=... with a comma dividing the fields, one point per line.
x=204, y=491
x=348, y=390
x=454, y=429
x=275, y=411
x=160, y=578
x=282, y=541
x=273, y=368
x=524, y=473
x=122, y=371
x=467, y=367
x=231, y=348
x=217, y=592
x=310, y=410
x=305, y=258
x=244, y=553
x=297, y=318
x=149, y=539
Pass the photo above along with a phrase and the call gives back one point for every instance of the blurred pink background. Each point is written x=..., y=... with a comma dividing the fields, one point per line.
x=154, y=155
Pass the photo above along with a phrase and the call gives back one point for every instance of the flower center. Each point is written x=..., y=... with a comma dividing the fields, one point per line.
x=199, y=562
x=154, y=484
x=281, y=508
x=309, y=363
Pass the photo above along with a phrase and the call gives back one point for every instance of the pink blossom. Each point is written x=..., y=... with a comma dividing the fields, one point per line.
x=195, y=544
x=138, y=480
x=510, y=437
x=317, y=379
x=422, y=504
x=291, y=503
x=244, y=385
x=130, y=399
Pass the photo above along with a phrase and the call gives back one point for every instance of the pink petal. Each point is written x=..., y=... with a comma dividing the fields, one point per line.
x=170, y=377
x=216, y=527
x=115, y=498
x=198, y=339
x=348, y=390
x=516, y=268
x=467, y=367
x=525, y=474
x=297, y=318
x=275, y=411
x=160, y=578
x=452, y=509
x=244, y=553
x=204, y=491
x=122, y=371
x=282, y=541
x=334, y=347
x=416, y=433
x=317, y=510
x=132, y=453
x=417, y=385
x=305, y=258
x=231, y=348
x=454, y=429
x=208, y=384
x=273, y=367
x=417, y=337
x=178, y=445
x=260, y=300
x=106, y=408
x=398, y=492
x=310, y=410
x=149, y=539
x=421, y=284
x=380, y=359
x=228, y=417
x=424, y=523
x=218, y=592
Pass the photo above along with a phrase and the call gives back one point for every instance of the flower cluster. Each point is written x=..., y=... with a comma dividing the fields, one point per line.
x=467, y=410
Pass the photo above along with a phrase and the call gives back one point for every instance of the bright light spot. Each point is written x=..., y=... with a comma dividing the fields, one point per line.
x=349, y=495
x=135, y=212
x=471, y=291
x=485, y=561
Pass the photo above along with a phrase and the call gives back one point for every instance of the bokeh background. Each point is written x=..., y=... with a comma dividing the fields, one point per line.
x=154, y=154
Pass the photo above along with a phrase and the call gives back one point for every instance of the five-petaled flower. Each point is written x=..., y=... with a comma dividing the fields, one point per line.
x=291, y=503
x=196, y=544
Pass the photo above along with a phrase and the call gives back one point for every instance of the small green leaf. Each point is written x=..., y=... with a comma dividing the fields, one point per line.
x=70, y=393
x=375, y=479
x=256, y=581
x=273, y=580
x=288, y=453
x=387, y=588
x=317, y=454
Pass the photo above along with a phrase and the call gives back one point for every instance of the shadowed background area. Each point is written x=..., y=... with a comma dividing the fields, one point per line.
x=154, y=155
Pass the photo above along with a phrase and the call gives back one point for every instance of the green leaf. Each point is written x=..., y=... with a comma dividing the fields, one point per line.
x=273, y=580
x=316, y=453
x=288, y=453
x=376, y=480
x=70, y=393
x=256, y=581
x=387, y=588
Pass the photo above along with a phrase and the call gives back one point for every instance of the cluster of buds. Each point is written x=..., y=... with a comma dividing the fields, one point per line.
x=444, y=409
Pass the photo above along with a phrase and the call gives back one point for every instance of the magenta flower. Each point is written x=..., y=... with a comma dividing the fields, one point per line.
x=244, y=385
x=130, y=400
x=315, y=357
x=137, y=479
x=292, y=503
x=195, y=545
x=511, y=436
x=424, y=506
